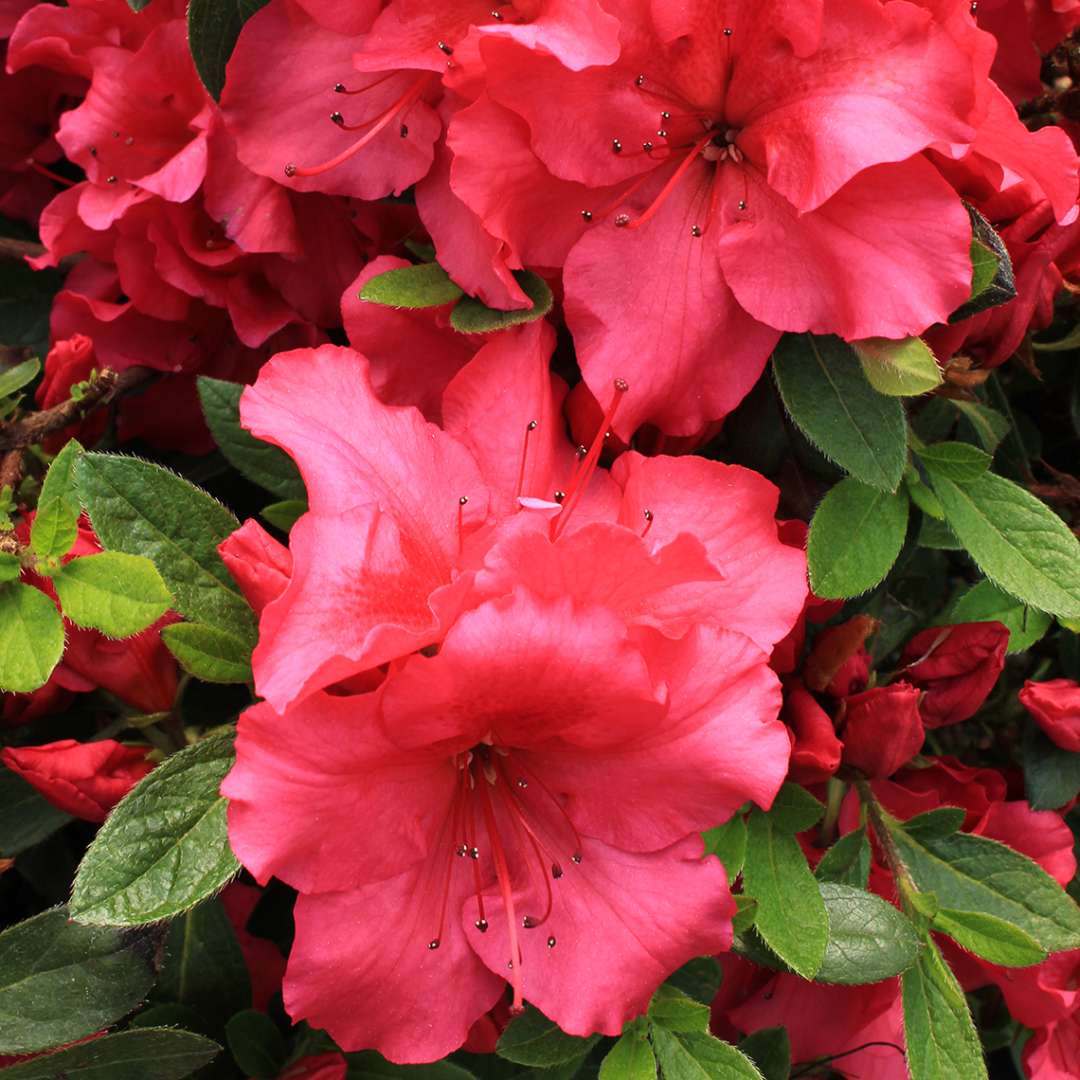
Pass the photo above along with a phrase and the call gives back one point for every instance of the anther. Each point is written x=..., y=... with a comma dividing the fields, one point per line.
x=474, y=853
x=522, y=782
x=531, y=426
x=462, y=851
x=403, y=131
x=695, y=230
x=621, y=386
x=576, y=858
x=433, y=944
x=497, y=16
x=481, y=925
x=586, y=215
x=662, y=132
x=130, y=140
x=290, y=169
x=92, y=150
x=616, y=146
x=974, y=9
x=116, y=134
x=551, y=943
x=622, y=220
x=742, y=204
x=337, y=118
x=665, y=115
x=110, y=179
x=727, y=31
x=463, y=500
x=443, y=47
x=648, y=514
x=556, y=871
x=559, y=496
x=339, y=88
x=647, y=147
x=581, y=451
x=529, y=922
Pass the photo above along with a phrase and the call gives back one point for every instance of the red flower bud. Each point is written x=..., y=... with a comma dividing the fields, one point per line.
x=882, y=729
x=1055, y=705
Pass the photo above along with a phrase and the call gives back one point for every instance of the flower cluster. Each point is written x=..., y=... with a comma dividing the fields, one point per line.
x=578, y=661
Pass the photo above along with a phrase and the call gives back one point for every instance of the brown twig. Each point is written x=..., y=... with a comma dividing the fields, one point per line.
x=36, y=426
x=17, y=250
x=11, y=469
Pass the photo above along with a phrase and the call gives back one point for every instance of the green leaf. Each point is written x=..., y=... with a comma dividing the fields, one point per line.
x=938, y=536
x=791, y=914
x=847, y=862
x=728, y=843
x=115, y=593
x=17, y=376
x=56, y=523
x=985, y=602
x=533, y=1039
x=869, y=939
x=26, y=817
x=1066, y=344
x=368, y=1065
x=902, y=368
x=283, y=515
x=204, y=966
x=745, y=913
x=471, y=316
x=959, y=461
x=989, y=937
x=143, y=509
x=256, y=1044
x=1017, y=541
x=855, y=536
x=974, y=873
x=1051, y=774
x=941, y=821
x=770, y=1050
x=795, y=810
x=922, y=496
x=165, y=847
x=31, y=637
x=145, y=1054
x=699, y=978
x=824, y=389
x=941, y=1040
x=209, y=654
x=989, y=425
x=213, y=27
x=262, y=464
x=992, y=280
x=423, y=286
x=631, y=1058
x=60, y=981
x=10, y=567
x=137, y=5
x=686, y=1056
x=676, y=1011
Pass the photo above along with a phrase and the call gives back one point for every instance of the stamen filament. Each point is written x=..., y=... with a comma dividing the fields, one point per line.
x=669, y=187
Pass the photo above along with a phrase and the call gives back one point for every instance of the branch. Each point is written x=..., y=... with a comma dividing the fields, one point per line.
x=17, y=250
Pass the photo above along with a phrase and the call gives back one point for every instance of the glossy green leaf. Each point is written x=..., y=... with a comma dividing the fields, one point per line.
x=631, y=1058
x=213, y=27
x=1051, y=774
x=1018, y=542
x=422, y=286
x=471, y=316
x=922, y=496
x=676, y=1011
x=975, y=873
x=143, y=509
x=56, y=523
x=262, y=464
x=31, y=637
x=941, y=1040
x=989, y=425
x=988, y=936
x=847, y=862
x=204, y=966
x=165, y=847
x=791, y=915
x=15, y=377
x=687, y=1056
x=145, y=1054
x=209, y=654
x=795, y=810
x=869, y=939
x=699, y=978
x=941, y=821
x=533, y=1039
x=824, y=389
x=959, y=461
x=283, y=515
x=901, y=368
x=257, y=1045
x=112, y=592
x=26, y=817
x=728, y=843
x=368, y=1065
x=60, y=981
x=992, y=279
x=985, y=602
x=770, y=1050
x=855, y=536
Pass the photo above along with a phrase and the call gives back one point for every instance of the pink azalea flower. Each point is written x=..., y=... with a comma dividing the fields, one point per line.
x=410, y=524
x=762, y=180
x=529, y=797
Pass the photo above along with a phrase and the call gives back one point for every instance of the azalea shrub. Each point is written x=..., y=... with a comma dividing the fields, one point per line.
x=540, y=541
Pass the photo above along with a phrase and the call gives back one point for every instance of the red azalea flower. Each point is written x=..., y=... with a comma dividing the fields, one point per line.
x=528, y=796
x=957, y=667
x=882, y=729
x=1055, y=706
x=409, y=523
x=85, y=780
x=763, y=181
x=1025, y=30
